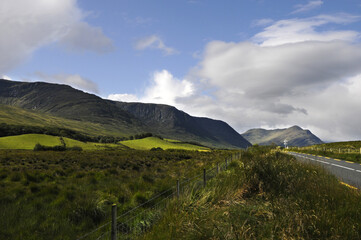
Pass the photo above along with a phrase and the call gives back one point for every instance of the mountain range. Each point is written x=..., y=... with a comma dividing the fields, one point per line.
x=63, y=106
x=295, y=136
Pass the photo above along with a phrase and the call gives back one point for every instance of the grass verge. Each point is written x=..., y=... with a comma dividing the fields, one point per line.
x=354, y=157
x=268, y=195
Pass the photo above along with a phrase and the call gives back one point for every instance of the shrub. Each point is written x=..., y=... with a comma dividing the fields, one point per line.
x=75, y=148
x=156, y=149
x=39, y=147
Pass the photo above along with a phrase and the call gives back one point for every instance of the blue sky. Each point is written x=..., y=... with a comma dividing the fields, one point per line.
x=251, y=63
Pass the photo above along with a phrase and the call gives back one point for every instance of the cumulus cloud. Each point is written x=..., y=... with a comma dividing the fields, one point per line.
x=74, y=80
x=291, y=73
x=163, y=88
x=307, y=7
x=310, y=79
x=28, y=25
x=154, y=42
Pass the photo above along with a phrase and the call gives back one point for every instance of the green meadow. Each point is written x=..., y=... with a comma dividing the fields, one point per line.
x=28, y=141
x=154, y=142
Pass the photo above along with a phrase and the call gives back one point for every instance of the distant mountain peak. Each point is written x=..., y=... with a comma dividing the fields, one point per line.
x=295, y=136
x=295, y=127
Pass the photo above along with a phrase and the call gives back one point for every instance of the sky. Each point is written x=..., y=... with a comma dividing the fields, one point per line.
x=252, y=63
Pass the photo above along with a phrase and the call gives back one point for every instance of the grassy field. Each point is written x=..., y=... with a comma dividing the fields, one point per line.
x=28, y=141
x=63, y=195
x=267, y=195
x=154, y=142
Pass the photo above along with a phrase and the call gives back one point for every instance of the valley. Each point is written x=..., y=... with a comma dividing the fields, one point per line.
x=64, y=162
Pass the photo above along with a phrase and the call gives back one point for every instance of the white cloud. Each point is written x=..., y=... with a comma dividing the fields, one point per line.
x=307, y=7
x=312, y=79
x=6, y=77
x=164, y=88
x=154, y=42
x=26, y=26
x=300, y=30
x=123, y=97
x=75, y=81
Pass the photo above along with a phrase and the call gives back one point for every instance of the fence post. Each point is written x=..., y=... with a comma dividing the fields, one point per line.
x=114, y=222
x=218, y=167
x=177, y=188
x=226, y=164
x=204, y=177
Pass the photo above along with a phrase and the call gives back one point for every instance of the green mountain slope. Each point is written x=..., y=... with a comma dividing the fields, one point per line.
x=18, y=116
x=295, y=136
x=82, y=111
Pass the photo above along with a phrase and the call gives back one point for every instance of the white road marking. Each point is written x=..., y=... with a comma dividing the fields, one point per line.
x=336, y=165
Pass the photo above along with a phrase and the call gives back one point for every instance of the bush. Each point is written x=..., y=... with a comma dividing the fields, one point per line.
x=156, y=149
x=60, y=148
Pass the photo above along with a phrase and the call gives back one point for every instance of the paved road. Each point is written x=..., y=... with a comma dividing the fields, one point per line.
x=348, y=172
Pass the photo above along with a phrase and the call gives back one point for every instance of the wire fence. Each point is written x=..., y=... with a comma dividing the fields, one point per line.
x=135, y=222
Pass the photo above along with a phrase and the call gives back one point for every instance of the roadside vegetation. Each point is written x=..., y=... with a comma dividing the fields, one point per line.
x=63, y=195
x=348, y=151
x=267, y=195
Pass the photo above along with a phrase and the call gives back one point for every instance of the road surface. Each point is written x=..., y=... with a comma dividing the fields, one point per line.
x=348, y=172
